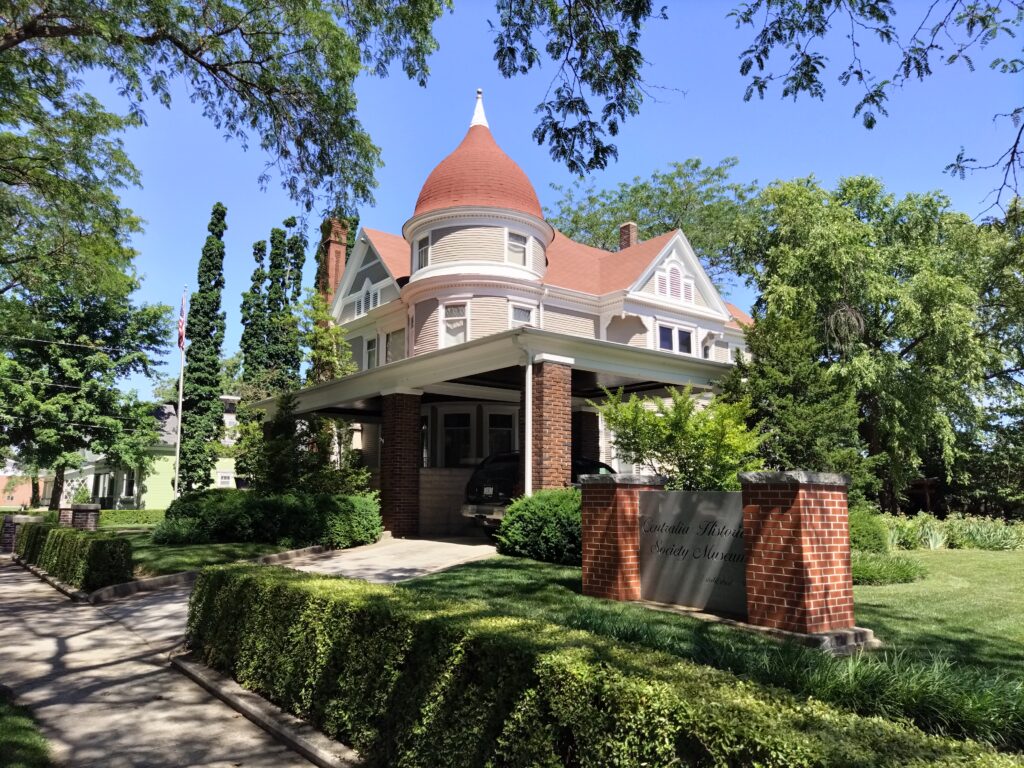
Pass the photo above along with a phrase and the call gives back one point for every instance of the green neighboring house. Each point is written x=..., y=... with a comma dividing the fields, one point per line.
x=118, y=488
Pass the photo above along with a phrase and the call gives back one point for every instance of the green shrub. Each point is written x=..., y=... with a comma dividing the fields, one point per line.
x=545, y=526
x=221, y=511
x=875, y=568
x=868, y=532
x=410, y=681
x=51, y=516
x=87, y=560
x=181, y=530
x=352, y=520
x=31, y=538
x=123, y=518
x=903, y=532
x=970, y=532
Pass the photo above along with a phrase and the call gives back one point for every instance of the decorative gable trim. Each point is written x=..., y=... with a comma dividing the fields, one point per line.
x=677, y=261
x=362, y=255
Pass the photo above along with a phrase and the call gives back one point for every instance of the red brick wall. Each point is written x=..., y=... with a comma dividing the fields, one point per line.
x=552, y=425
x=611, y=537
x=797, y=541
x=400, y=464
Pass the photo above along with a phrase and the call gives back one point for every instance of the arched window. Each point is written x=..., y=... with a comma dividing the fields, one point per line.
x=675, y=283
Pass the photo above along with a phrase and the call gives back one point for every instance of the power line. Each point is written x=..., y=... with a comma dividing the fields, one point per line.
x=93, y=347
x=119, y=418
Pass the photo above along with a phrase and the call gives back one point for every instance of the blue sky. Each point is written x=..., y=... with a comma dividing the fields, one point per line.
x=699, y=111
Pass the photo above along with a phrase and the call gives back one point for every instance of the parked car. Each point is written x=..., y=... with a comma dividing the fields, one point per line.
x=497, y=480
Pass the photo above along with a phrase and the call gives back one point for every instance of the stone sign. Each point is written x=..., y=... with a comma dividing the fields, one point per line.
x=691, y=550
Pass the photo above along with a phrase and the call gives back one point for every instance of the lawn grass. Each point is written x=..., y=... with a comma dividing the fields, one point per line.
x=157, y=559
x=969, y=608
x=21, y=744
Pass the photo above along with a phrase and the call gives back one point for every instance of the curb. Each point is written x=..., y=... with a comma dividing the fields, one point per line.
x=76, y=595
x=115, y=591
x=288, y=729
x=291, y=554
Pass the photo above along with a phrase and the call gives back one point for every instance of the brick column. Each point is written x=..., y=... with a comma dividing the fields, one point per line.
x=796, y=537
x=64, y=517
x=400, y=463
x=586, y=435
x=85, y=517
x=552, y=424
x=611, y=534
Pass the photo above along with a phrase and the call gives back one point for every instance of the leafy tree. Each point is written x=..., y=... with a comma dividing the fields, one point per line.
x=696, y=198
x=696, y=448
x=282, y=342
x=327, y=350
x=253, y=344
x=805, y=411
x=894, y=292
x=202, y=416
x=58, y=383
x=944, y=32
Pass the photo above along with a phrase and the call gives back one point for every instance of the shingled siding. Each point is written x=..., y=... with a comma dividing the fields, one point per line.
x=488, y=315
x=570, y=322
x=627, y=330
x=426, y=327
x=467, y=244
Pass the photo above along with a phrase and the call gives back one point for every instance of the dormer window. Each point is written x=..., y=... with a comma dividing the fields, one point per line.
x=516, y=250
x=422, y=253
x=672, y=284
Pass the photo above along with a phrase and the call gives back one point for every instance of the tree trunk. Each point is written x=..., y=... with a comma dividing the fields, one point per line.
x=58, y=488
x=35, y=493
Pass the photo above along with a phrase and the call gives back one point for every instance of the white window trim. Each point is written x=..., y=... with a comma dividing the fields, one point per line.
x=444, y=409
x=676, y=327
x=441, y=307
x=507, y=410
x=534, y=314
x=686, y=282
x=366, y=352
x=527, y=255
x=396, y=329
x=416, y=252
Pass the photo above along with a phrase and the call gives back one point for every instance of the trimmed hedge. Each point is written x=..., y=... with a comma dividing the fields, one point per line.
x=545, y=526
x=875, y=569
x=30, y=541
x=411, y=681
x=868, y=532
x=86, y=560
x=294, y=519
x=122, y=518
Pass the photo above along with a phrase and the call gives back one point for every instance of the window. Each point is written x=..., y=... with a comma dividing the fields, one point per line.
x=369, y=300
x=458, y=439
x=673, y=339
x=517, y=249
x=225, y=480
x=129, y=483
x=455, y=324
x=672, y=284
x=522, y=316
x=425, y=440
x=500, y=432
x=422, y=252
x=394, y=346
x=371, y=353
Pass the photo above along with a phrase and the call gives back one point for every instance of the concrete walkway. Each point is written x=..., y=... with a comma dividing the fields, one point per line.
x=98, y=681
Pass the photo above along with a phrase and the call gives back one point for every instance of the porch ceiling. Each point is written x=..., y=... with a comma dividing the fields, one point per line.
x=493, y=365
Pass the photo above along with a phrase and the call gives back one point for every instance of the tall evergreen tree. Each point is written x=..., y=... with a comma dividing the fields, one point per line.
x=202, y=410
x=253, y=344
x=282, y=332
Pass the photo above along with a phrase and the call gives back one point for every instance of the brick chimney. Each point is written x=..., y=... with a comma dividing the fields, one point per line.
x=333, y=247
x=629, y=235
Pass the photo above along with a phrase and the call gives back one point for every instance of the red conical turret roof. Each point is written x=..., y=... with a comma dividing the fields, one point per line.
x=478, y=173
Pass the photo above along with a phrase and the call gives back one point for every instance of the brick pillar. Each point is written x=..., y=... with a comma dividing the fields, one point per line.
x=586, y=435
x=796, y=537
x=64, y=517
x=552, y=425
x=85, y=517
x=611, y=534
x=400, y=460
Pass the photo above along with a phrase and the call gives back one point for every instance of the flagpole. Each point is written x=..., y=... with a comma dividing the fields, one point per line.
x=181, y=390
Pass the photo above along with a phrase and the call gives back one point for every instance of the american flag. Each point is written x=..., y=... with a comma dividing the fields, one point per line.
x=182, y=321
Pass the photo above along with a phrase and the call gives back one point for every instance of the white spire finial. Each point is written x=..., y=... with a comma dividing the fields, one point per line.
x=479, y=118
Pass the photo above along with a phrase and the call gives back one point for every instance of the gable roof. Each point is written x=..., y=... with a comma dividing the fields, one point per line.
x=591, y=270
x=393, y=250
x=740, y=319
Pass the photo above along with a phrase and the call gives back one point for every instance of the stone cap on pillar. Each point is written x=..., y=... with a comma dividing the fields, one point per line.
x=794, y=477
x=622, y=479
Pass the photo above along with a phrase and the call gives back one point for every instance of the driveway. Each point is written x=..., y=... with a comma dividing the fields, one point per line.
x=393, y=560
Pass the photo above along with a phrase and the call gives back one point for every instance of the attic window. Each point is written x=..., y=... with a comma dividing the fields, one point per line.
x=672, y=284
x=368, y=301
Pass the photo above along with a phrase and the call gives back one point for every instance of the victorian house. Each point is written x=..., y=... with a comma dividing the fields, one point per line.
x=482, y=329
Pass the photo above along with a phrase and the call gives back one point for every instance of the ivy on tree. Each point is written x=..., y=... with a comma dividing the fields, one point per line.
x=202, y=409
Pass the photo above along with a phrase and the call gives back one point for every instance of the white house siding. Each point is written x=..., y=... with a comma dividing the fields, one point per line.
x=426, y=327
x=538, y=261
x=467, y=244
x=488, y=315
x=721, y=352
x=627, y=330
x=570, y=322
x=388, y=293
x=442, y=491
